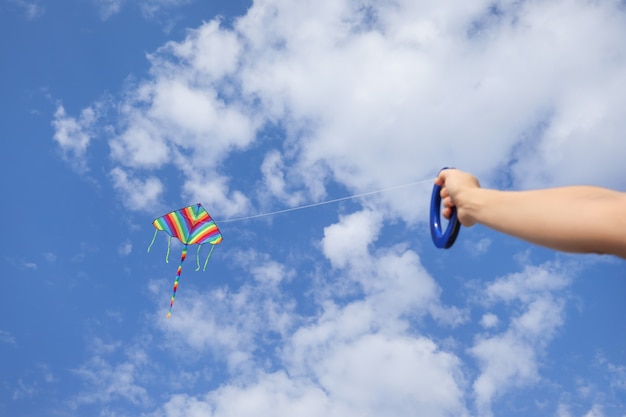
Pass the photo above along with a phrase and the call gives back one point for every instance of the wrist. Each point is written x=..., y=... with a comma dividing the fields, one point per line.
x=469, y=205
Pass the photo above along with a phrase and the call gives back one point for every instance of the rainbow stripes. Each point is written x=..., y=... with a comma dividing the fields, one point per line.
x=191, y=225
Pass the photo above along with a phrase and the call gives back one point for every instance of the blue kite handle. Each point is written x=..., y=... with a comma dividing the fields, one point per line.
x=442, y=240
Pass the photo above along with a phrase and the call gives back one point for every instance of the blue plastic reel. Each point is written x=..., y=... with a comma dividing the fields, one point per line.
x=442, y=240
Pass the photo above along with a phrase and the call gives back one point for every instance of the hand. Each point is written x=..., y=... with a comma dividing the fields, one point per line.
x=456, y=188
x=579, y=219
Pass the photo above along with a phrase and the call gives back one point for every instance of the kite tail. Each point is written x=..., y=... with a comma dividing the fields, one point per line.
x=169, y=244
x=180, y=268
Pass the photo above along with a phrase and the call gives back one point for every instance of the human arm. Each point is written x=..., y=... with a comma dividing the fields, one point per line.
x=582, y=219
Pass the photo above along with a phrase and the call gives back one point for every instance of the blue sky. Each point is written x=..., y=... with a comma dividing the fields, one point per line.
x=116, y=112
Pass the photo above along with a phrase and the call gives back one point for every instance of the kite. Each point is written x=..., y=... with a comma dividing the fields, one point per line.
x=192, y=226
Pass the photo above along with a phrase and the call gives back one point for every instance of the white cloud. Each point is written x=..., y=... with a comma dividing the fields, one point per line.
x=32, y=9
x=327, y=375
x=271, y=273
x=30, y=265
x=151, y=7
x=105, y=381
x=108, y=8
x=140, y=146
x=583, y=126
x=109, y=382
x=393, y=278
x=527, y=285
x=125, y=248
x=231, y=323
x=512, y=358
x=618, y=376
x=50, y=257
x=24, y=390
x=213, y=190
x=273, y=394
x=347, y=242
x=563, y=411
x=274, y=178
x=7, y=338
x=418, y=379
x=100, y=347
x=596, y=411
x=506, y=362
x=360, y=88
x=74, y=135
x=181, y=118
x=49, y=377
x=115, y=315
x=137, y=194
x=208, y=54
x=489, y=320
x=478, y=247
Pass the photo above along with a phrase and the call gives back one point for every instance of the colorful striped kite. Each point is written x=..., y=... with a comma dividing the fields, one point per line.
x=192, y=226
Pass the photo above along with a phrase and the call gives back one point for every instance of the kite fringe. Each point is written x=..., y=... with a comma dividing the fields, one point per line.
x=167, y=256
x=207, y=257
x=153, y=239
x=198, y=258
x=206, y=262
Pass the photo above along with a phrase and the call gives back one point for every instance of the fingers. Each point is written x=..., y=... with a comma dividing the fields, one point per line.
x=446, y=198
x=448, y=203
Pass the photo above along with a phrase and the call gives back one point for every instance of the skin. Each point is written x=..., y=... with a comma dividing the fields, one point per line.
x=579, y=219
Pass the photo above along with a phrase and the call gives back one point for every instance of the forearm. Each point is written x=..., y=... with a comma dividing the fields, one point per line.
x=572, y=219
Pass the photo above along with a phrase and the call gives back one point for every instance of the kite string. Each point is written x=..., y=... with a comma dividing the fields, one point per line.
x=335, y=200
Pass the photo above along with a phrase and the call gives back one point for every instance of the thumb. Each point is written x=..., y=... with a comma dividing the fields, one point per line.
x=443, y=176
